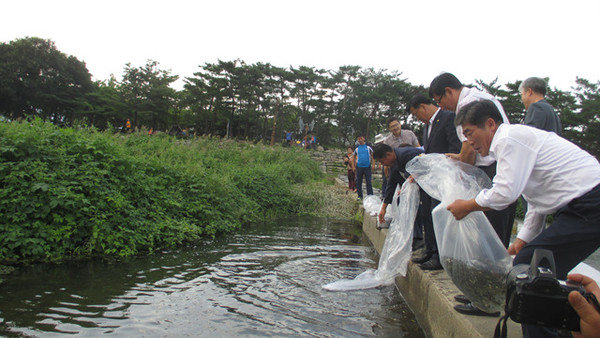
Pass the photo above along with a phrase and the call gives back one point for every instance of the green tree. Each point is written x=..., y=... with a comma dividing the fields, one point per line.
x=148, y=95
x=582, y=126
x=105, y=105
x=37, y=79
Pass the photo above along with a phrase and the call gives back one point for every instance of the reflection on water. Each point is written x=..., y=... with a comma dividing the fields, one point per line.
x=263, y=281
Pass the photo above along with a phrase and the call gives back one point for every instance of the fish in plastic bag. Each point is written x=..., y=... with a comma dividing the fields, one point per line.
x=470, y=250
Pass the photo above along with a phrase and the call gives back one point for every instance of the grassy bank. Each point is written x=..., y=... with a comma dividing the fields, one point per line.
x=69, y=193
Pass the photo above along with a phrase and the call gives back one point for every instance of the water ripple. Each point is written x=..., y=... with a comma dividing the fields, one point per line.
x=262, y=282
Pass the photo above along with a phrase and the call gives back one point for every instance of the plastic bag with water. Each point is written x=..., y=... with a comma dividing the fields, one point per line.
x=397, y=247
x=470, y=251
x=372, y=205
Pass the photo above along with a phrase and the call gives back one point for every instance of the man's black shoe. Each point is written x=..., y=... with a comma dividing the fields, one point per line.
x=462, y=299
x=421, y=259
x=432, y=264
x=470, y=309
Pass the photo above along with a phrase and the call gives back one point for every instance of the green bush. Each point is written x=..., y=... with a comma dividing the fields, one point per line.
x=69, y=193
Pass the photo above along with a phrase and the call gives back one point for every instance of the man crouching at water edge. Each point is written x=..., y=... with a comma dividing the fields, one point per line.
x=396, y=159
x=553, y=175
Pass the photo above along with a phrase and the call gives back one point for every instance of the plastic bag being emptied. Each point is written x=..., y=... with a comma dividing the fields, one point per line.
x=372, y=204
x=397, y=247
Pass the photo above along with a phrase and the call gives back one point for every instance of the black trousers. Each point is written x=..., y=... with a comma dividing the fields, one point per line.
x=427, y=204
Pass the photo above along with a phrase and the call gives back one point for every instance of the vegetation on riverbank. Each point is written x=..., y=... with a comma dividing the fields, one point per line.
x=70, y=193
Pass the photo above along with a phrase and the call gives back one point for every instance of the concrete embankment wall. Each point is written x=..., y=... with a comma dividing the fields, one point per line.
x=430, y=295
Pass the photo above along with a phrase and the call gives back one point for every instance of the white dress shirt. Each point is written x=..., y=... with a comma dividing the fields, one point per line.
x=468, y=95
x=430, y=125
x=546, y=169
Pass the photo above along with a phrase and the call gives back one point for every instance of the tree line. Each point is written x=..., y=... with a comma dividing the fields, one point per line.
x=257, y=102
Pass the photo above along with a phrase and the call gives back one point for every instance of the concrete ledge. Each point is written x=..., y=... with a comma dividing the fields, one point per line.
x=430, y=295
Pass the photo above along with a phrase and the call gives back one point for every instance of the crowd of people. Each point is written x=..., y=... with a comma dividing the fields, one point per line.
x=531, y=162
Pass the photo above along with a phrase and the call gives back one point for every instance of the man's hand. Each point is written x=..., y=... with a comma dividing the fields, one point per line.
x=590, y=317
x=460, y=208
x=455, y=157
x=381, y=215
x=516, y=246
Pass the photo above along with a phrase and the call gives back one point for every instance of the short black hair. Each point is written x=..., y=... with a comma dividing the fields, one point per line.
x=477, y=112
x=418, y=100
x=380, y=149
x=391, y=119
x=439, y=84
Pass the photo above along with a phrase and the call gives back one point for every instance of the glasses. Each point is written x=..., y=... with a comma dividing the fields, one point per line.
x=439, y=99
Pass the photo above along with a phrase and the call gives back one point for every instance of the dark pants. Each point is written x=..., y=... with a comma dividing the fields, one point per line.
x=351, y=179
x=419, y=219
x=501, y=220
x=429, y=204
x=572, y=237
x=359, y=178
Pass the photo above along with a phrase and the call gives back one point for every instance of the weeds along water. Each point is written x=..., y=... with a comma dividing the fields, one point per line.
x=79, y=193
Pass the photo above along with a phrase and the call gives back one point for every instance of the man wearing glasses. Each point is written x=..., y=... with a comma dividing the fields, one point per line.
x=450, y=94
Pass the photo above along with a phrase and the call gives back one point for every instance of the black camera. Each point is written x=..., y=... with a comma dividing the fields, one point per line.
x=535, y=296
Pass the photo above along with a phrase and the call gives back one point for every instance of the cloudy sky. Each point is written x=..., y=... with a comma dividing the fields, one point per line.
x=509, y=39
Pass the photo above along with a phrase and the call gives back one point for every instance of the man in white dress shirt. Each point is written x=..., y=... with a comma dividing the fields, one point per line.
x=450, y=94
x=554, y=176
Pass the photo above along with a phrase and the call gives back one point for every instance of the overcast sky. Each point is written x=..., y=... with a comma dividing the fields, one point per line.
x=480, y=39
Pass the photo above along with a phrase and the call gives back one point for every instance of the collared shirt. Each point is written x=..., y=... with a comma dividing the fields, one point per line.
x=546, y=169
x=406, y=137
x=428, y=126
x=468, y=95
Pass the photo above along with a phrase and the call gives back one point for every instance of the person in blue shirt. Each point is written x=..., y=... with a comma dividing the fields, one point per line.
x=363, y=162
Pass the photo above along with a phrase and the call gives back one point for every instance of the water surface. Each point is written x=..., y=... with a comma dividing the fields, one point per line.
x=263, y=281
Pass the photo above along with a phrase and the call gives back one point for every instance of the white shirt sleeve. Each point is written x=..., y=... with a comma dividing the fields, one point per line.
x=533, y=224
x=515, y=163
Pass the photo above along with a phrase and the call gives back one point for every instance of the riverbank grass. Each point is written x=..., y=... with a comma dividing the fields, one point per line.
x=80, y=193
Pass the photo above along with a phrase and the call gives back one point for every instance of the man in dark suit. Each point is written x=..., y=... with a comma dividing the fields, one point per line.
x=439, y=137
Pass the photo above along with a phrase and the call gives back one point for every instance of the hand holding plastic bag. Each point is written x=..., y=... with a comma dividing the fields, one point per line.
x=470, y=251
x=397, y=247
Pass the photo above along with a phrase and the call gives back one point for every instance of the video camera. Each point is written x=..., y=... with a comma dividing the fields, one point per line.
x=535, y=296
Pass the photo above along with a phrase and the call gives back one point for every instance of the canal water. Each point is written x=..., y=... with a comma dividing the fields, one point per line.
x=262, y=281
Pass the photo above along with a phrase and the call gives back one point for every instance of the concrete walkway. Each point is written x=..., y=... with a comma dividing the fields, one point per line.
x=430, y=295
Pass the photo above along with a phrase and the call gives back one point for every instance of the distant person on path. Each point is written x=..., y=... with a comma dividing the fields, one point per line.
x=363, y=163
x=540, y=113
x=439, y=137
x=349, y=162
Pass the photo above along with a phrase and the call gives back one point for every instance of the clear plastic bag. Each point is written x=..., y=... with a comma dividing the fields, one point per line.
x=397, y=247
x=372, y=205
x=470, y=251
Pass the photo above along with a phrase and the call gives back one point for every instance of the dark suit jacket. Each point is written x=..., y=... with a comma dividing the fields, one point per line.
x=443, y=138
x=403, y=156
